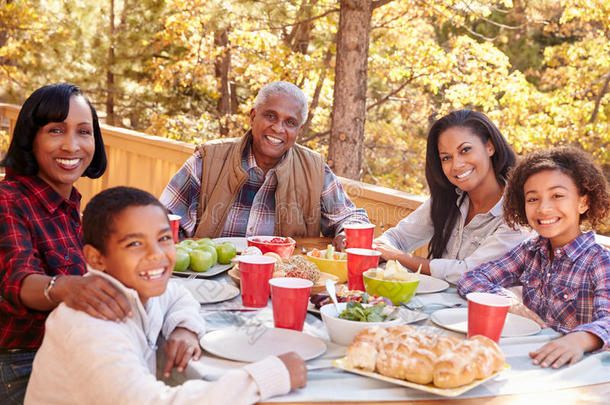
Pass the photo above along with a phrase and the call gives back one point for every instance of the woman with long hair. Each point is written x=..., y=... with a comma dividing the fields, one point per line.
x=57, y=139
x=467, y=161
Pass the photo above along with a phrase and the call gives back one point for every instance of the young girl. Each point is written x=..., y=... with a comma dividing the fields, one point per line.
x=467, y=159
x=565, y=275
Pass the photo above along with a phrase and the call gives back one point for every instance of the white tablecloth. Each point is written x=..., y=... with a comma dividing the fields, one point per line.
x=329, y=384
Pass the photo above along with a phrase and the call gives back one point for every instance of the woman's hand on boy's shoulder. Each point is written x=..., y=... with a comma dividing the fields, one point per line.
x=93, y=295
x=181, y=346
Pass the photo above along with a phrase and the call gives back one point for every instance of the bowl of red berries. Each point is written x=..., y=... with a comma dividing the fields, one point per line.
x=275, y=244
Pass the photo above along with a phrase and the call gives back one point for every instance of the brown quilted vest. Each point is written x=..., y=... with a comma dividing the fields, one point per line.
x=300, y=178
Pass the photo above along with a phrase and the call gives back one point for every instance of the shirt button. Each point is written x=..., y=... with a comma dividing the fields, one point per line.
x=565, y=296
x=548, y=274
x=557, y=252
x=66, y=257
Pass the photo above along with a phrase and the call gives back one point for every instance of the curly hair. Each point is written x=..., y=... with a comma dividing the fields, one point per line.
x=571, y=161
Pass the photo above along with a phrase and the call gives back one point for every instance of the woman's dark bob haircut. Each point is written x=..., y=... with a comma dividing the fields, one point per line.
x=49, y=104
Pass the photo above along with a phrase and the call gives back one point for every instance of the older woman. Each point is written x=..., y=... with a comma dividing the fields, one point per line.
x=57, y=139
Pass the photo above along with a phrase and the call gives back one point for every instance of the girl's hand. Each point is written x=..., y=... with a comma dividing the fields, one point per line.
x=568, y=348
x=296, y=368
x=518, y=308
x=388, y=252
x=181, y=346
x=93, y=295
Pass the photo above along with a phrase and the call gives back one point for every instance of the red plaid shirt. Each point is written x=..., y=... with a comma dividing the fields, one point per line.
x=40, y=233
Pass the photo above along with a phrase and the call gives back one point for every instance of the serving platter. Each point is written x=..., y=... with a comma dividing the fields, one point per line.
x=446, y=392
x=211, y=272
x=250, y=343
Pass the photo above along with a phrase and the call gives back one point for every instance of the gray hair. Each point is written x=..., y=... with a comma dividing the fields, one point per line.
x=287, y=88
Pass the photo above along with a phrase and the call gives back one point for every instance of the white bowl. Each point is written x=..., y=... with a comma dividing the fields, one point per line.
x=342, y=331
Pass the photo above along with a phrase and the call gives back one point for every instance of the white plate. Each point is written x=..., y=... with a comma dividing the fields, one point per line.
x=428, y=284
x=250, y=343
x=212, y=271
x=240, y=243
x=209, y=291
x=456, y=319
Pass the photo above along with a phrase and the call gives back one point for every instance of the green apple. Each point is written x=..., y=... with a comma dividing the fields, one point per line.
x=183, y=259
x=226, y=251
x=188, y=244
x=211, y=249
x=201, y=260
x=205, y=242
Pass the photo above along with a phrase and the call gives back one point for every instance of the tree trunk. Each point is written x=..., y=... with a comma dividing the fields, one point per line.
x=349, y=96
x=222, y=64
x=109, y=73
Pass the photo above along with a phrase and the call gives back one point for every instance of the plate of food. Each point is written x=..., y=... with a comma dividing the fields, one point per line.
x=456, y=319
x=203, y=258
x=446, y=392
x=318, y=286
x=250, y=343
x=209, y=291
x=434, y=363
x=293, y=266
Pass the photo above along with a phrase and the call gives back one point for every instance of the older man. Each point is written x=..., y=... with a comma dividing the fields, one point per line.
x=262, y=183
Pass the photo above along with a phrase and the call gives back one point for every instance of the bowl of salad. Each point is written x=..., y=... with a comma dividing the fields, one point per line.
x=354, y=316
x=275, y=244
x=330, y=261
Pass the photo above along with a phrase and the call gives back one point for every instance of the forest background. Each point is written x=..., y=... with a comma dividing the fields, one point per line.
x=376, y=72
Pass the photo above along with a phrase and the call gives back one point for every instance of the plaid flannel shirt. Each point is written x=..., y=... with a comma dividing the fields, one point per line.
x=40, y=233
x=253, y=212
x=570, y=293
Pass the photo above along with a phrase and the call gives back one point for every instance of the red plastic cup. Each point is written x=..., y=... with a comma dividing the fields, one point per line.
x=486, y=314
x=359, y=261
x=359, y=235
x=174, y=223
x=255, y=273
x=289, y=298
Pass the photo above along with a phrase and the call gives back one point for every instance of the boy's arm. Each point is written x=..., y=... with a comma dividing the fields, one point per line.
x=181, y=310
x=104, y=363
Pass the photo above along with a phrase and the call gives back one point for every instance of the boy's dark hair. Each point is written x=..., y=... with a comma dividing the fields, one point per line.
x=571, y=161
x=98, y=217
x=49, y=104
x=445, y=211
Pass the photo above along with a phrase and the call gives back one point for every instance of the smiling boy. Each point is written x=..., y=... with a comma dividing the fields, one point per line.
x=84, y=360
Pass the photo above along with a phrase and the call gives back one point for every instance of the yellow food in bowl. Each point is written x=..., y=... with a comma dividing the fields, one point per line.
x=331, y=266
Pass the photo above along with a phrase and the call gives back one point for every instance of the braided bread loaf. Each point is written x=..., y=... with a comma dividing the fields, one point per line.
x=405, y=353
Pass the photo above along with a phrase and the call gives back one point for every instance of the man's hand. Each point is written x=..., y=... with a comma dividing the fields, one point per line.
x=93, y=295
x=296, y=368
x=181, y=346
x=518, y=308
x=339, y=241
